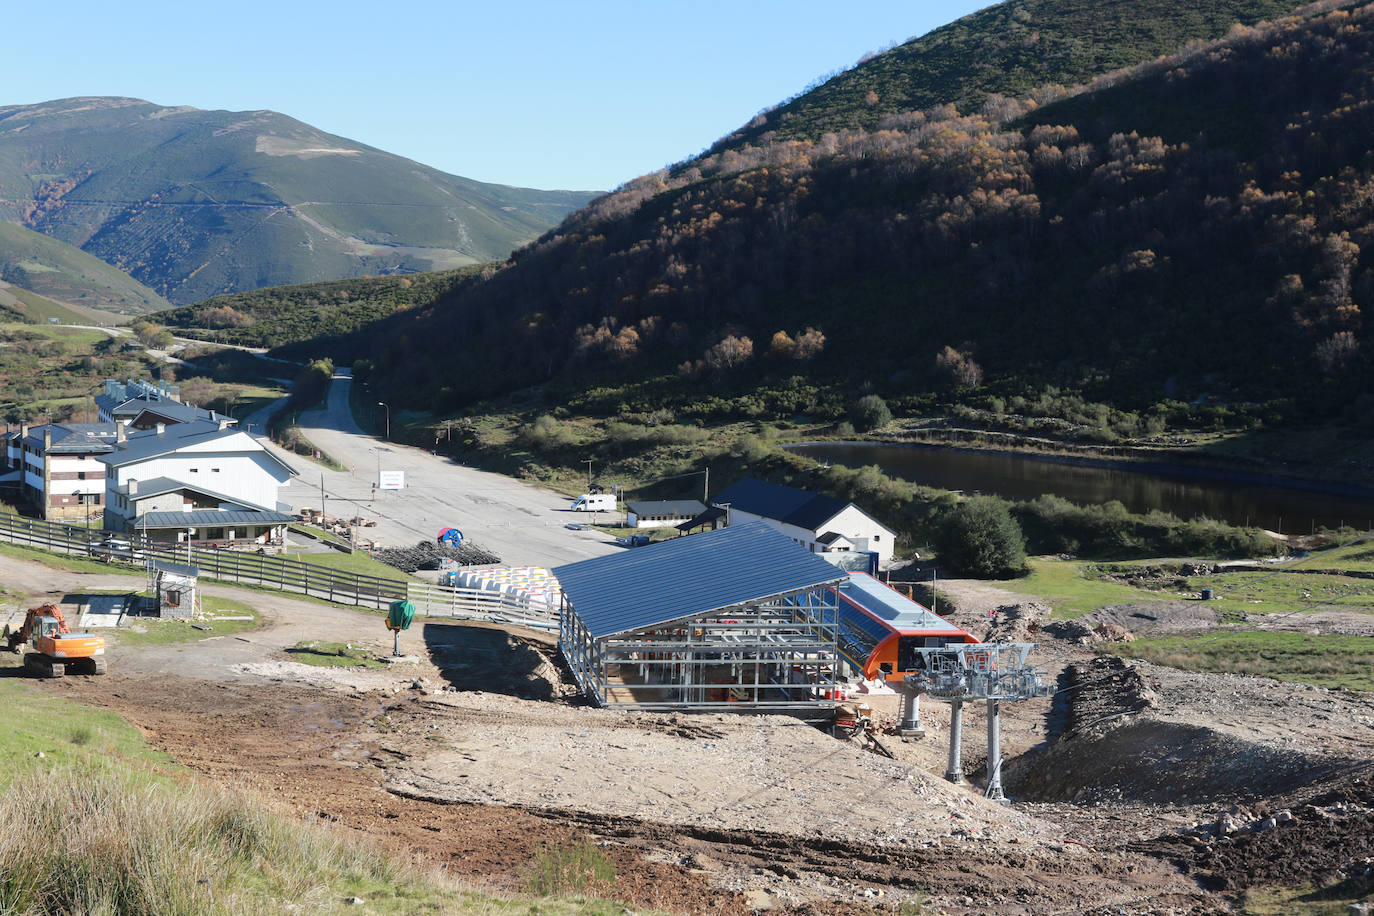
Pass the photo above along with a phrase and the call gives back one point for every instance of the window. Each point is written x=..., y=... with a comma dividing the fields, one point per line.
x=195, y=470
x=876, y=538
x=214, y=470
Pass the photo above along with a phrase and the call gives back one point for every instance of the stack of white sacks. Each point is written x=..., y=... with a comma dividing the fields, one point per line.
x=533, y=582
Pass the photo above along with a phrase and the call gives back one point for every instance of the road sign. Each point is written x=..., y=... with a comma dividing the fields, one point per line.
x=391, y=480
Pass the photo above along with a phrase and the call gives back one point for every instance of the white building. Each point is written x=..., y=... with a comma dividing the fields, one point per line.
x=663, y=513
x=204, y=480
x=821, y=524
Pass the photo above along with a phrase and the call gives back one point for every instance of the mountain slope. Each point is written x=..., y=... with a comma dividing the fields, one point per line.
x=1139, y=266
x=61, y=272
x=1011, y=49
x=314, y=316
x=195, y=203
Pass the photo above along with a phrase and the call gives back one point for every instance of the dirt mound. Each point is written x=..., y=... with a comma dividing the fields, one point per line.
x=1139, y=619
x=1017, y=622
x=1107, y=745
x=1328, y=840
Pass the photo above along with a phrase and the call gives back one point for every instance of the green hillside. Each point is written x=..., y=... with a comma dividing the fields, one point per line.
x=18, y=304
x=1016, y=49
x=1172, y=237
x=196, y=203
x=65, y=274
x=316, y=315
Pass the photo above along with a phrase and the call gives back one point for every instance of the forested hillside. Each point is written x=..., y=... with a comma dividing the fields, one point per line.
x=313, y=315
x=1015, y=49
x=194, y=203
x=1170, y=235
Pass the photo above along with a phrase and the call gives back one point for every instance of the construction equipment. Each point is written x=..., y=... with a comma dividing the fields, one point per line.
x=53, y=648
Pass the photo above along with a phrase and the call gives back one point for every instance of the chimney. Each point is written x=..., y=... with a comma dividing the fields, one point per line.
x=119, y=433
x=161, y=428
x=224, y=422
x=23, y=432
x=47, y=438
x=133, y=488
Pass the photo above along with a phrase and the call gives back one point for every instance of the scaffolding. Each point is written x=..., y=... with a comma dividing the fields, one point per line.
x=776, y=653
x=978, y=671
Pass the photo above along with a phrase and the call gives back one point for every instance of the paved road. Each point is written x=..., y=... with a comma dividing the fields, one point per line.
x=520, y=523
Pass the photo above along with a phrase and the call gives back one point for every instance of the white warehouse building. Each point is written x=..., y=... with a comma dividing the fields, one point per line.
x=821, y=524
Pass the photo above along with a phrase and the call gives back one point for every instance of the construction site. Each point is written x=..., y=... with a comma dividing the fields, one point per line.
x=744, y=727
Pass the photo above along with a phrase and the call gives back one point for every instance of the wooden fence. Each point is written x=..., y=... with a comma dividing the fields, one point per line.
x=282, y=574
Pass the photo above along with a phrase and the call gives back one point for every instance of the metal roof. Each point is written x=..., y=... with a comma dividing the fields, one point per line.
x=893, y=608
x=157, y=486
x=687, y=576
x=145, y=444
x=681, y=508
x=74, y=438
x=784, y=504
x=210, y=518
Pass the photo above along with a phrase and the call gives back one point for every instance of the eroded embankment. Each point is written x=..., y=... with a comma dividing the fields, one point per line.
x=1111, y=741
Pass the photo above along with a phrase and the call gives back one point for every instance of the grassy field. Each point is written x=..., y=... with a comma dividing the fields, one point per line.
x=1327, y=661
x=1301, y=901
x=1281, y=593
x=1070, y=587
x=359, y=563
x=187, y=846
x=152, y=631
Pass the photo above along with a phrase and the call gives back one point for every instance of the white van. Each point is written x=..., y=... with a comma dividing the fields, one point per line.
x=594, y=502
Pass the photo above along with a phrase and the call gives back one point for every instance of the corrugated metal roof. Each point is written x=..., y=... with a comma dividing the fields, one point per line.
x=687, y=576
x=210, y=518
x=895, y=609
x=160, y=485
x=785, y=504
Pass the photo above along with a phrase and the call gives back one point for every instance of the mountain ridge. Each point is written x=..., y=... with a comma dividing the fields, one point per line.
x=195, y=202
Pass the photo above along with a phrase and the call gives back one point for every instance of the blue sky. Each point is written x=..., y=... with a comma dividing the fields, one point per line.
x=580, y=95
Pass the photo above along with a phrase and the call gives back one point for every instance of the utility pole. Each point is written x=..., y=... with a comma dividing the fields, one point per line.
x=388, y=419
x=321, y=500
x=589, y=473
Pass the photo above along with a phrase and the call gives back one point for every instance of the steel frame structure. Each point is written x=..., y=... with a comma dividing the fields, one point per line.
x=777, y=653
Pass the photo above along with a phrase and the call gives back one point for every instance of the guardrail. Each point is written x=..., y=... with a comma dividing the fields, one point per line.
x=284, y=574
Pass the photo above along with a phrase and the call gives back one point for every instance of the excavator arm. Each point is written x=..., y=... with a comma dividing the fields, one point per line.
x=25, y=632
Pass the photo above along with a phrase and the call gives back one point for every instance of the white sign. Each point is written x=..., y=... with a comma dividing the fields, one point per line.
x=391, y=480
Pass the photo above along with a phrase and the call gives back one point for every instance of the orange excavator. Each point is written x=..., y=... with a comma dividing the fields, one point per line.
x=53, y=647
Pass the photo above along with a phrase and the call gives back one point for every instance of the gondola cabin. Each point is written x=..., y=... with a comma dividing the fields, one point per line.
x=880, y=629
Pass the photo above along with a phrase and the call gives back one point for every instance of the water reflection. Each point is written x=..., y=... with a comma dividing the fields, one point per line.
x=1015, y=476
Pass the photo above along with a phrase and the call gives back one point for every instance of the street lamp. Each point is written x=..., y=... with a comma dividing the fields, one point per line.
x=388, y=418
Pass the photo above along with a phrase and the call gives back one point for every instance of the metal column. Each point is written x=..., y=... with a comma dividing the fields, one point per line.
x=911, y=711
x=955, y=772
x=994, y=787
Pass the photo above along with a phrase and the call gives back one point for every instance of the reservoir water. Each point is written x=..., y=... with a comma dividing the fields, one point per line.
x=1183, y=492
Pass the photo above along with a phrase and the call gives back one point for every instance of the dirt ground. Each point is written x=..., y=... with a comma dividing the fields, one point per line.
x=479, y=754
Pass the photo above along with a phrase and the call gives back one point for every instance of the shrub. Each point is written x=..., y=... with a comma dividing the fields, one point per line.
x=869, y=412
x=980, y=538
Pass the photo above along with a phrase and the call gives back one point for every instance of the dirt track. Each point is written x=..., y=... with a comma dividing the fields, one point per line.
x=492, y=758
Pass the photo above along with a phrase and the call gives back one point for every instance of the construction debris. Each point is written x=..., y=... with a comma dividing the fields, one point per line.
x=433, y=555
